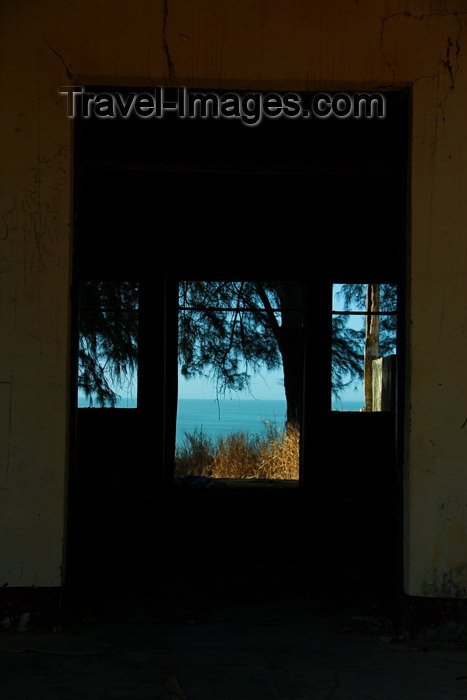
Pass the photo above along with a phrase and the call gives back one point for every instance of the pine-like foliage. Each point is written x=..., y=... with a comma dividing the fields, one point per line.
x=228, y=331
x=348, y=342
x=108, y=339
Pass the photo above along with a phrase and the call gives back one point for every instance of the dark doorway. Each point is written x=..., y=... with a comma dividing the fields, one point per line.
x=156, y=202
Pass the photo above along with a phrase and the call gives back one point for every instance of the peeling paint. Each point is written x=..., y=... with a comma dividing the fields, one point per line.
x=448, y=575
x=39, y=208
x=450, y=63
x=446, y=585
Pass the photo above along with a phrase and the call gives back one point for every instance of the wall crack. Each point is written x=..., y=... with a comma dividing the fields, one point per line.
x=449, y=63
x=165, y=46
x=68, y=72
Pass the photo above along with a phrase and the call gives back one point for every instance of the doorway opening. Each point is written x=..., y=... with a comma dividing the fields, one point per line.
x=271, y=203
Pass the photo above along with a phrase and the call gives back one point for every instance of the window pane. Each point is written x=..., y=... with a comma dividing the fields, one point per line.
x=388, y=298
x=231, y=419
x=348, y=347
x=108, y=344
x=349, y=297
x=364, y=345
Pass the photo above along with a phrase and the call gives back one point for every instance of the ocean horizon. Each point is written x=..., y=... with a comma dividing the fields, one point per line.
x=226, y=416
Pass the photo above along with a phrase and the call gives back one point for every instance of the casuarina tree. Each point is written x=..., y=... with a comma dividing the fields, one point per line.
x=108, y=339
x=229, y=331
x=356, y=345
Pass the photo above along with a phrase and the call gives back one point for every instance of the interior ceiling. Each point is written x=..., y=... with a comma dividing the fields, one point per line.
x=219, y=190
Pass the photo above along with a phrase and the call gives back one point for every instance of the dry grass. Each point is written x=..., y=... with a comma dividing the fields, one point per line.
x=273, y=455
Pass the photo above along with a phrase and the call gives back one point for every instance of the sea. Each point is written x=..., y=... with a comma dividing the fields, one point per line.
x=225, y=416
x=228, y=416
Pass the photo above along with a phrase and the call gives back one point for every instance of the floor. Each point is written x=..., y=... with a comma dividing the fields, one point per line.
x=229, y=603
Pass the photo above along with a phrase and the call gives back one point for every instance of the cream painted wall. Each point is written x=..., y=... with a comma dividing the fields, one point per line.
x=266, y=44
x=34, y=305
x=437, y=443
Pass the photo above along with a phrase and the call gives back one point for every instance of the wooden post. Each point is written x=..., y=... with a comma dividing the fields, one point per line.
x=371, y=341
x=384, y=383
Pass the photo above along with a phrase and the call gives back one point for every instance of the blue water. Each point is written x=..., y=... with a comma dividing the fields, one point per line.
x=235, y=415
x=228, y=416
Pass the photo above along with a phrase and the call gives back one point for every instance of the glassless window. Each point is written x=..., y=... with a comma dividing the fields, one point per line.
x=364, y=346
x=241, y=343
x=108, y=344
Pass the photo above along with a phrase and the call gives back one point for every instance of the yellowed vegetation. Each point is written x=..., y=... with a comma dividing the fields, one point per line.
x=273, y=455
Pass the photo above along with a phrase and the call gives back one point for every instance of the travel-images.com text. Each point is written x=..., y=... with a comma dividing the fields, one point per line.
x=249, y=107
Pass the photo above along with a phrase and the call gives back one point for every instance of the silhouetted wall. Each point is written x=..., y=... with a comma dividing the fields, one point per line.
x=320, y=45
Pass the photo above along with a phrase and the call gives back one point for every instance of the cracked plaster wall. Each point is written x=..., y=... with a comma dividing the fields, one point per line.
x=266, y=44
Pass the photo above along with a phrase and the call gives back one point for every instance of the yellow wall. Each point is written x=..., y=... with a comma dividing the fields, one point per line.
x=267, y=44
